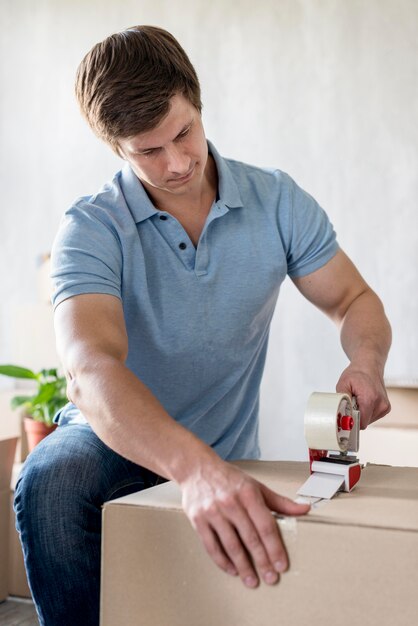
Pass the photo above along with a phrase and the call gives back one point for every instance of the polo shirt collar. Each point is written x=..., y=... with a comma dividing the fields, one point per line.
x=135, y=195
x=228, y=192
x=141, y=206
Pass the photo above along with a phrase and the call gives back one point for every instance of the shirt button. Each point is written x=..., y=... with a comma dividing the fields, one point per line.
x=163, y=217
x=182, y=245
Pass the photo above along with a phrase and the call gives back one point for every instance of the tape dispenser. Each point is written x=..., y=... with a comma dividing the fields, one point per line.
x=332, y=429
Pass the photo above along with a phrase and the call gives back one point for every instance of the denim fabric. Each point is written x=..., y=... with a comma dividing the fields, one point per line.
x=58, y=500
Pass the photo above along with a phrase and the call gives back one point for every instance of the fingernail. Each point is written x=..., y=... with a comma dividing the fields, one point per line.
x=232, y=571
x=250, y=581
x=280, y=566
x=270, y=577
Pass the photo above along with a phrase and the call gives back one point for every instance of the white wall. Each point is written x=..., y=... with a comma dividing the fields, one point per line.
x=326, y=90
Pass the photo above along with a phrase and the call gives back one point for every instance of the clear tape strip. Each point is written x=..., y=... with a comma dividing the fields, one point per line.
x=289, y=532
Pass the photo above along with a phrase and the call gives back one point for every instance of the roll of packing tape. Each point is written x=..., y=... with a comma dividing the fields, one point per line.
x=321, y=421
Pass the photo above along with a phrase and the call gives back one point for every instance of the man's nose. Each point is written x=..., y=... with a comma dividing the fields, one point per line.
x=177, y=161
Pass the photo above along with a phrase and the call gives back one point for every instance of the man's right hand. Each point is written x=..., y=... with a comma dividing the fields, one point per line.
x=232, y=513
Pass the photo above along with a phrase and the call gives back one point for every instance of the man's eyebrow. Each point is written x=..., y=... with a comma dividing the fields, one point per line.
x=181, y=132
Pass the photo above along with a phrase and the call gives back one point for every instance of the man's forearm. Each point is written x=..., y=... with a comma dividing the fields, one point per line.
x=366, y=338
x=365, y=332
x=229, y=510
x=129, y=419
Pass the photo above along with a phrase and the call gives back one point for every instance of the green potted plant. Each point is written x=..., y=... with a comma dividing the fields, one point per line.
x=40, y=407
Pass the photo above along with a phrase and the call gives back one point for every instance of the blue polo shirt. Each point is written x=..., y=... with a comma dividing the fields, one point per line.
x=197, y=319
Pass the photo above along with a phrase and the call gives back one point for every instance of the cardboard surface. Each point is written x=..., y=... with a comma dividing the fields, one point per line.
x=404, y=408
x=11, y=423
x=7, y=453
x=393, y=439
x=9, y=419
x=354, y=560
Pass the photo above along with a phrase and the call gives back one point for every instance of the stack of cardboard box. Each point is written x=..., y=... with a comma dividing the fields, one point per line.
x=35, y=350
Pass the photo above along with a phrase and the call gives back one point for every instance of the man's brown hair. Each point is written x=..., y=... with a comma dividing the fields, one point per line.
x=125, y=83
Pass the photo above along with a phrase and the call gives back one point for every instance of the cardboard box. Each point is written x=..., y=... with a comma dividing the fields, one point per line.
x=11, y=423
x=404, y=405
x=7, y=452
x=354, y=559
x=393, y=440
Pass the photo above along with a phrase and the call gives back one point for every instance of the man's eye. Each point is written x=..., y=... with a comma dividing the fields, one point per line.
x=185, y=132
x=148, y=152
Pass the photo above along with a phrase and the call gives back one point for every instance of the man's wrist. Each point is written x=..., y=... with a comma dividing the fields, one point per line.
x=369, y=363
x=195, y=461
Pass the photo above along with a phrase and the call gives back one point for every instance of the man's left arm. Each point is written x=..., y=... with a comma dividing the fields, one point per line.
x=339, y=290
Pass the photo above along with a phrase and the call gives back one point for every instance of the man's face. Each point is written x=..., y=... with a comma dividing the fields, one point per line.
x=171, y=158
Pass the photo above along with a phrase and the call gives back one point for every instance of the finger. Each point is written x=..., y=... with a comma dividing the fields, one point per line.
x=371, y=397
x=382, y=407
x=265, y=544
x=379, y=414
x=235, y=550
x=258, y=531
x=269, y=534
x=260, y=535
x=281, y=504
x=214, y=547
x=259, y=505
x=371, y=409
x=269, y=529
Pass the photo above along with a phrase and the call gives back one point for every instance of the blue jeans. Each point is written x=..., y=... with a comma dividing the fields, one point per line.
x=58, y=501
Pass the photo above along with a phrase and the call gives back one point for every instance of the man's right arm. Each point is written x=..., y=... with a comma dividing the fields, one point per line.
x=230, y=511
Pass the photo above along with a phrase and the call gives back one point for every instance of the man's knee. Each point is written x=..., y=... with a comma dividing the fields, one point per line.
x=55, y=479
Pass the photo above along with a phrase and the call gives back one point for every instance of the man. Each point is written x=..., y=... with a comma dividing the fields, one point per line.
x=165, y=285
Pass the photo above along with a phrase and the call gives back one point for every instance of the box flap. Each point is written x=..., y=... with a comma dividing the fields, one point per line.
x=284, y=476
x=385, y=497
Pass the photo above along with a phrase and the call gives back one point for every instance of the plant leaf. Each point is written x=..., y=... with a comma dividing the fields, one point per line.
x=45, y=393
x=19, y=400
x=50, y=393
x=50, y=372
x=17, y=372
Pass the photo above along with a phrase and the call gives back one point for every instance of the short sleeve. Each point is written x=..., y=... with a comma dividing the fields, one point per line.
x=86, y=255
x=310, y=238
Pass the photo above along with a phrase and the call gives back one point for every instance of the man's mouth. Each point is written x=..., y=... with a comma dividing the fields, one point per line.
x=183, y=179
